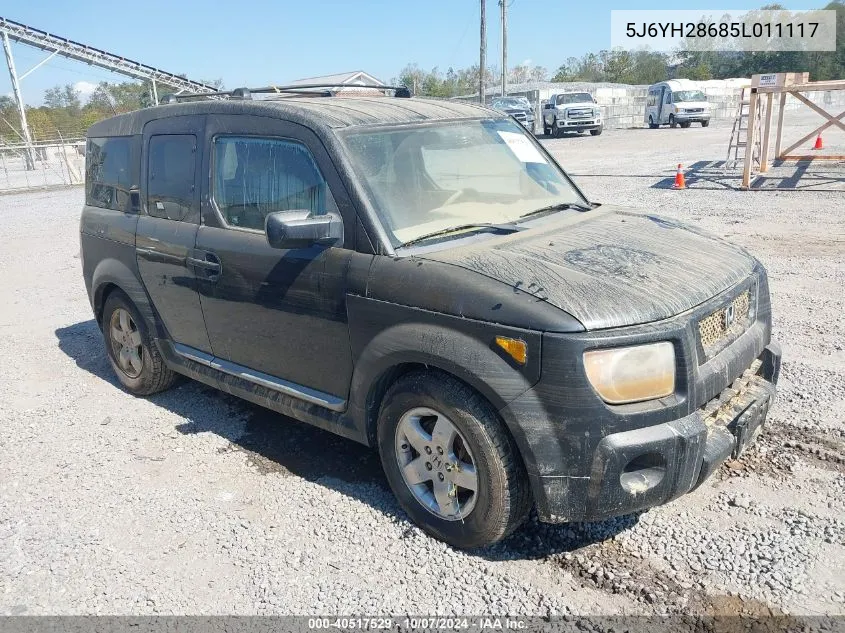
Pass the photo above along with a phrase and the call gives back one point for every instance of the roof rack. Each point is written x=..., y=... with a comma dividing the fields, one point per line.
x=302, y=90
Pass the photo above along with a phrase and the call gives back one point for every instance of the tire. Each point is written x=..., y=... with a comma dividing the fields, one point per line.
x=705, y=123
x=596, y=132
x=672, y=122
x=423, y=400
x=547, y=131
x=651, y=124
x=686, y=124
x=120, y=316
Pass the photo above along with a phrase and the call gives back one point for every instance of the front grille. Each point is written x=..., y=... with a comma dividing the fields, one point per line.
x=580, y=114
x=721, y=410
x=520, y=116
x=695, y=109
x=724, y=325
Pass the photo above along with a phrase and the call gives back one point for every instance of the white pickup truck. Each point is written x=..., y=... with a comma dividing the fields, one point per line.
x=571, y=112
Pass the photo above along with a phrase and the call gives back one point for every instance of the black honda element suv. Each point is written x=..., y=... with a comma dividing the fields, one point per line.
x=423, y=277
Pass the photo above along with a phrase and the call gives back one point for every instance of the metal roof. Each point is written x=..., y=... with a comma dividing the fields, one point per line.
x=340, y=78
x=315, y=112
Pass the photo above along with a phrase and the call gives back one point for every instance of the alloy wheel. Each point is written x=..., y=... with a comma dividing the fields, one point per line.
x=436, y=463
x=126, y=343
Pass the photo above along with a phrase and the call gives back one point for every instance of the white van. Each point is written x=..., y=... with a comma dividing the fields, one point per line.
x=676, y=102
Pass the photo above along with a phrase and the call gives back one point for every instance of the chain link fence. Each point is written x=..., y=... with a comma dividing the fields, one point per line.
x=43, y=164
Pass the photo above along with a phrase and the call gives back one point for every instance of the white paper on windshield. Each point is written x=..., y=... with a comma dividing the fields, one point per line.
x=522, y=147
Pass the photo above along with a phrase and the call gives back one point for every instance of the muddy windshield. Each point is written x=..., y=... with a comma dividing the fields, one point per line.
x=423, y=179
x=689, y=95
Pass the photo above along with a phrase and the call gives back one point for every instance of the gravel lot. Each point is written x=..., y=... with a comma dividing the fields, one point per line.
x=194, y=502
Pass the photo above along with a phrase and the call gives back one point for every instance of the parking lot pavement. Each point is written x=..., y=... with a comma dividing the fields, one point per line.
x=194, y=502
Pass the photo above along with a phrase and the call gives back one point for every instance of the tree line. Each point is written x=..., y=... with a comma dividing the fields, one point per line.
x=65, y=114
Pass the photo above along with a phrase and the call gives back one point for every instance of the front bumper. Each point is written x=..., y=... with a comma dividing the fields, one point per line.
x=692, y=117
x=587, y=124
x=589, y=460
x=634, y=470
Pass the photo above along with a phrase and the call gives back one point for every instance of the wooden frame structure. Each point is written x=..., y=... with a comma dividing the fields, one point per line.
x=766, y=87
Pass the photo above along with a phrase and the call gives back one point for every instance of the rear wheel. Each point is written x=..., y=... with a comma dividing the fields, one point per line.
x=450, y=461
x=651, y=124
x=133, y=355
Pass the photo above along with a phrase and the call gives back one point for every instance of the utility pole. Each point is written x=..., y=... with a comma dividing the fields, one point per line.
x=16, y=89
x=482, y=64
x=503, y=4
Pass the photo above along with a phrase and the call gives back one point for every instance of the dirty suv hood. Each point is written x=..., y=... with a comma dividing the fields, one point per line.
x=609, y=267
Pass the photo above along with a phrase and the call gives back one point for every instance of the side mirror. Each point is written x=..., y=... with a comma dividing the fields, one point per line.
x=300, y=228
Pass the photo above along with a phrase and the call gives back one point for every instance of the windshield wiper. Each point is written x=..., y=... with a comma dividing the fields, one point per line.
x=557, y=207
x=502, y=228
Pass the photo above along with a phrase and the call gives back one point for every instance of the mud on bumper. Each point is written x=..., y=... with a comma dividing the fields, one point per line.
x=638, y=469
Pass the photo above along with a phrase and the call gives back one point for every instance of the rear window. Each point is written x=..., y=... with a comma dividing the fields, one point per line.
x=107, y=179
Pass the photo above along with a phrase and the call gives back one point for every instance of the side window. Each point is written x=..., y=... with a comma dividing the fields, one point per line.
x=668, y=97
x=254, y=177
x=170, y=175
x=107, y=178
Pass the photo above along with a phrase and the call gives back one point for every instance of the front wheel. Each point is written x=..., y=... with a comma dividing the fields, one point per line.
x=705, y=123
x=133, y=355
x=651, y=124
x=672, y=122
x=685, y=124
x=596, y=132
x=450, y=461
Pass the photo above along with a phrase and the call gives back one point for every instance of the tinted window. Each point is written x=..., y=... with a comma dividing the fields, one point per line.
x=170, y=175
x=257, y=176
x=107, y=178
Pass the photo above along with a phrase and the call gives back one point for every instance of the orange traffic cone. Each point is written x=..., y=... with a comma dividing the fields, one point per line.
x=819, y=144
x=680, y=181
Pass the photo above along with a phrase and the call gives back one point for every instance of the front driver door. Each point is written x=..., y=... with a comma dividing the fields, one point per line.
x=281, y=314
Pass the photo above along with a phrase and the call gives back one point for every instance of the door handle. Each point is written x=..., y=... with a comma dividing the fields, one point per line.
x=204, y=264
x=208, y=263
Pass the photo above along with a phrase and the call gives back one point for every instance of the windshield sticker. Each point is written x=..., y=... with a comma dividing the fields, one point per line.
x=522, y=147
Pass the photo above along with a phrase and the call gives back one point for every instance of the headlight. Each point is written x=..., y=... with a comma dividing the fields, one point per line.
x=596, y=112
x=632, y=374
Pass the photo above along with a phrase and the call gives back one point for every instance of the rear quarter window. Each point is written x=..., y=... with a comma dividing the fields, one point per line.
x=171, y=187
x=107, y=173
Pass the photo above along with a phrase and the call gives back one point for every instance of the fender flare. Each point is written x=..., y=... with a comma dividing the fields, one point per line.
x=437, y=346
x=113, y=272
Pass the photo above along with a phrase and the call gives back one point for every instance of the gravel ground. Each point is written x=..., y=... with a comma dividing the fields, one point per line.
x=194, y=502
